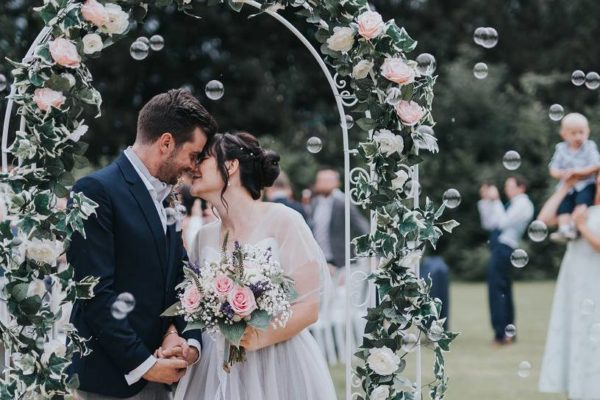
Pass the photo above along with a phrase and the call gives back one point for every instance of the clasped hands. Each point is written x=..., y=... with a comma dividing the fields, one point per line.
x=174, y=356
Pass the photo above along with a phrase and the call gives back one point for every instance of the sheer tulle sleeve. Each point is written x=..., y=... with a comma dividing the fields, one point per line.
x=300, y=256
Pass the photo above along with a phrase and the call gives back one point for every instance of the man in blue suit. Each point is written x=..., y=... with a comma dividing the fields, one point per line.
x=131, y=248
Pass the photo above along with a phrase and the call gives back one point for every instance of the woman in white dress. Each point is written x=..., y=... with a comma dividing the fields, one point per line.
x=571, y=362
x=284, y=363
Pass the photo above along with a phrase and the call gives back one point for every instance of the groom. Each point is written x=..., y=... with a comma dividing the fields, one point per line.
x=132, y=249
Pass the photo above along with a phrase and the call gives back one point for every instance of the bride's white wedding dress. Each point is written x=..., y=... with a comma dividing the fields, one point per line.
x=291, y=370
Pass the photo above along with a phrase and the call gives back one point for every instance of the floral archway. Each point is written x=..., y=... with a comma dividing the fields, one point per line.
x=54, y=93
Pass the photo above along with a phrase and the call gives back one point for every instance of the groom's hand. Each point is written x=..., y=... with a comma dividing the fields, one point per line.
x=166, y=371
x=183, y=352
x=174, y=346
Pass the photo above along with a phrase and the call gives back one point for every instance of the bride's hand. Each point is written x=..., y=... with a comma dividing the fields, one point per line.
x=251, y=339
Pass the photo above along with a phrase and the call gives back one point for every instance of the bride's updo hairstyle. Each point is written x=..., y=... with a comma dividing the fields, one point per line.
x=258, y=167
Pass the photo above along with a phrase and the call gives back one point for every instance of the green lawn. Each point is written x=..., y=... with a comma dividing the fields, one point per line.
x=477, y=371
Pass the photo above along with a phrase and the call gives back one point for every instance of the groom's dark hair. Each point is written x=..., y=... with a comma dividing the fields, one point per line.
x=177, y=112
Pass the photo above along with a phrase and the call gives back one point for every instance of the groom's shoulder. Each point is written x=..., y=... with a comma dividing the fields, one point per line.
x=104, y=178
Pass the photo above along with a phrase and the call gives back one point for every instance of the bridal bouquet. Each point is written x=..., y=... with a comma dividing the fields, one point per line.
x=247, y=287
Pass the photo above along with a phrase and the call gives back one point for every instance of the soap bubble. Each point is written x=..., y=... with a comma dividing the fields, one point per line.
x=426, y=64
x=480, y=70
x=157, y=43
x=452, y=198
x=556, y=112
x=214, y=90
x=578, y=77
x=519, y=258
x=139, y=50
x=511, y=160
x=314, y=145
x=537, y=231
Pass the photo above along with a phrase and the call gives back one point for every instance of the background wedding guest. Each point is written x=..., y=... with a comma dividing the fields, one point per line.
x=571, y=362
x=327, y=217
x=506, y=226
x=576, y=156
x=282, y=192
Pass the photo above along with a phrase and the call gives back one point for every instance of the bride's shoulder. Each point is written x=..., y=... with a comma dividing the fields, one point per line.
x=207, y=231
x=282, y=213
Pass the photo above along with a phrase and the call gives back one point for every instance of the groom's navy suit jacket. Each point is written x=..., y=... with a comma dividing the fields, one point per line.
x=127, y=249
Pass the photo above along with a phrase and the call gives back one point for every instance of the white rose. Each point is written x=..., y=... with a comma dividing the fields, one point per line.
x=383, y=361
x=92, y=43
x=400, y=179
x=118, y=20
x=37, y=287
x=380, y=393
x=362, y=69
x=42, y=251
x=53, y=346
x=78, y=132
x=388, y=142
x=342, y=39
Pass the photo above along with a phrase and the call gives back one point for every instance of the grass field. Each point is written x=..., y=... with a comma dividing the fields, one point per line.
x=477, y=371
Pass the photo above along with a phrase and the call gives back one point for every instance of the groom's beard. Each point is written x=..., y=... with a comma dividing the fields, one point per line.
x=168, y=172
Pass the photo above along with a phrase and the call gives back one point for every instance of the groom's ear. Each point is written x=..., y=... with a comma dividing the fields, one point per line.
x=166, y=142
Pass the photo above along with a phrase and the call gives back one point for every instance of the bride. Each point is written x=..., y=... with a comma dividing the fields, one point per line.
x=284, y=363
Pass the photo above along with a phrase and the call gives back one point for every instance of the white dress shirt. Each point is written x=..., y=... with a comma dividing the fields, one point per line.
x=159, y=191
x=511, y=222
x=322, y=222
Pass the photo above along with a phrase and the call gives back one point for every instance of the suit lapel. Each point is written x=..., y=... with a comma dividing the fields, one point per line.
x=171, y=242
x=146, y=204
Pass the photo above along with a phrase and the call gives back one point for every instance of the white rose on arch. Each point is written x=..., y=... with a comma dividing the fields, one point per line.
x=388, y=142
x=380, y=393
x=342, y=39
x=42, y=251
x=383, y=361
x=362, y=69
x=118, y=20
x=92, y=43
x=400, y=179
x=370, y=24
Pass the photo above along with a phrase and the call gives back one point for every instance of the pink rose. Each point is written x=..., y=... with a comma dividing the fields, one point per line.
x=191, y=298
x=242, y=301
x=410, y=112
x=45, y=98
x=396, y=70
x=64, y=53
x=370, y=24
x=94, y=12
x=223, y=285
